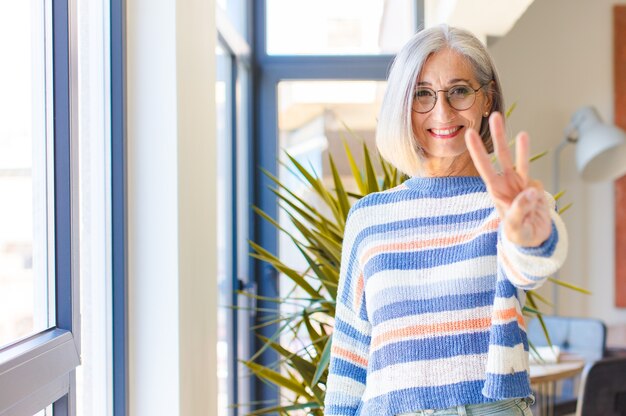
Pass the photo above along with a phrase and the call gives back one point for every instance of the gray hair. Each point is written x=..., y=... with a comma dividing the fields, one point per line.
x=395, y=138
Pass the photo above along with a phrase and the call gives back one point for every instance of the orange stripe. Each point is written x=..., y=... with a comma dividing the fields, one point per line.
x=359, y=293
x=349, y=355
x=507, y=314
x=511, y=271
x=434, y=242
x=438, y=328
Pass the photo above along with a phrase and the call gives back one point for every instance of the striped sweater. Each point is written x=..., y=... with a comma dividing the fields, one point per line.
x=429, y=301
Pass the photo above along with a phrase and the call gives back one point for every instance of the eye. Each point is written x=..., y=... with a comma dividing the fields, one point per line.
x=425, y=93
x=460, y=91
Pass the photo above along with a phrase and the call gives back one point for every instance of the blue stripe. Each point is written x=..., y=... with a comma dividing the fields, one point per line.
x=483, y=245
x=390, y=197
x=505, y=386
x=444, y=303
x=467, y=219
x=339, y=410
x=344, y=327
x=434, y=290
x=345, y=368
x=423, y=398
x=505, y=289
x=508, y=335
x=429, y=349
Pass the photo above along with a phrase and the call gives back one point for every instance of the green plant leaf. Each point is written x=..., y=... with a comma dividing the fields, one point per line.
x=565, y=208
x=370, y=173
x=569, y=286
x=531, y=300
x=278, y=379
x=322, y=365
x=510, y=110
x=281, y=267
x=356, y=173
x=342, y=197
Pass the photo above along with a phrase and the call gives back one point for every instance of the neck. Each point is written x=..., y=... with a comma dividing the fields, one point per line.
x=461, y=165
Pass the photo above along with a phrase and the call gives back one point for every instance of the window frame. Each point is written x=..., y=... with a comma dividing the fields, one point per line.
x=119, y=227
x=238, y=49
x=39, y=370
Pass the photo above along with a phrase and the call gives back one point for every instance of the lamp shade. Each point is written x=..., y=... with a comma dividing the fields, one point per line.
x=601, y=147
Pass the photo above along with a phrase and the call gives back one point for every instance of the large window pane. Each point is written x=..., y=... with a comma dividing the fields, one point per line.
x=347, y=27
x=25, y=151
x=315, y=118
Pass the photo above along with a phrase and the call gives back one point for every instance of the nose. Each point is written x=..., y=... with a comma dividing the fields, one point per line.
x=442, y=111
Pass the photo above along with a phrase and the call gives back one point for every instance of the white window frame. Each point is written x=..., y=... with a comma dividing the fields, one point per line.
x=39, y=370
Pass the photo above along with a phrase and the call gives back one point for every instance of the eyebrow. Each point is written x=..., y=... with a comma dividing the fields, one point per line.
x=452, y=81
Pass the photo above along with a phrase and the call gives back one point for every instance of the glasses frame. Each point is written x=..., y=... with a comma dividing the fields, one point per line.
x=447, y=97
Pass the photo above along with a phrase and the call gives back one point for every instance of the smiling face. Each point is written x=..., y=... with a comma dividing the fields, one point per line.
x=441, y=131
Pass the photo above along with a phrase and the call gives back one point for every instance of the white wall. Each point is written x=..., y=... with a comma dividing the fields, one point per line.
x=171, y=212
x=557, y=58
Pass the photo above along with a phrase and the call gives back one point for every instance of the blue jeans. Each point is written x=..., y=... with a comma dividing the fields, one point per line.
x=511, y=407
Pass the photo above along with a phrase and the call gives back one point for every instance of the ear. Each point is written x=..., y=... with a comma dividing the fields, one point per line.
x=489, y=91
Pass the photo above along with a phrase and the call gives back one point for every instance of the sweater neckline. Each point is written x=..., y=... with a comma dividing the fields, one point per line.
x=448, y=185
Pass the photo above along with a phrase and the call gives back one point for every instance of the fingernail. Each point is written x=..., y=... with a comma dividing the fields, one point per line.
x=531, y=194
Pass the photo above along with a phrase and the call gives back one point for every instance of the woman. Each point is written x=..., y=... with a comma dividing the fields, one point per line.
x=434, y=272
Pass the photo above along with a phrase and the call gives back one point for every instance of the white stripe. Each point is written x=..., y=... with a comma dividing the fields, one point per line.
x=347, y=386
x=507, y=360
x=427, y=373
x=476, y=267
x=351, y=318
x=535, y=266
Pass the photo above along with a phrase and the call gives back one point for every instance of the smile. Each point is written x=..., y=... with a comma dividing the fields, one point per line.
x=445, y=133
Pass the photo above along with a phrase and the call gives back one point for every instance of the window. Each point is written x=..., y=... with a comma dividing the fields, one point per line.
x=26, y=218
x=319, y=64
x=58, y=211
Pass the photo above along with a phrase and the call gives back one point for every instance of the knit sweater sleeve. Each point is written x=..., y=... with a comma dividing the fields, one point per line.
x=352, y=332
x=529, y=267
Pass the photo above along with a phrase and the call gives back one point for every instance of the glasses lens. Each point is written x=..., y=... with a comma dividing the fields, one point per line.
x=424, y=100
x=461, y=97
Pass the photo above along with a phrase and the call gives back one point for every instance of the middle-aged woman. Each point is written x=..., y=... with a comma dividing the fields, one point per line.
x=434, y=271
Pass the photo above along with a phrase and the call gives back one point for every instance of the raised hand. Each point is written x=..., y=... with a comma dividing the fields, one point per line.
x=519, y=200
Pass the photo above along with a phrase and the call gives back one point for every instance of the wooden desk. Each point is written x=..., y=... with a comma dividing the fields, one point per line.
x=544, y=377
x=546, y=373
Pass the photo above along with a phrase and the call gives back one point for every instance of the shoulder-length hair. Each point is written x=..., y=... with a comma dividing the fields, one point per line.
x=395, y=138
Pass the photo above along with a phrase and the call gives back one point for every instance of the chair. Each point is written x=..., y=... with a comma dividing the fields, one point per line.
x=585, y=337
x=603, y=389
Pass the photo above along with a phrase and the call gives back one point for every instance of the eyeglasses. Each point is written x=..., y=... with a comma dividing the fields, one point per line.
x=460, y=97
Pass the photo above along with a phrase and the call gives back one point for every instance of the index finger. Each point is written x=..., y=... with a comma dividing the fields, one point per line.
x=498, y=135
x=521, y=155
x=480, y=157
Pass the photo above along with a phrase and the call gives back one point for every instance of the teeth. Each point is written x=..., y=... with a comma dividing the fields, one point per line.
x=445, y=132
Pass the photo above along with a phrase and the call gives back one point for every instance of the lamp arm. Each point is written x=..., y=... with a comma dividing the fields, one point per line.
x=570, y=137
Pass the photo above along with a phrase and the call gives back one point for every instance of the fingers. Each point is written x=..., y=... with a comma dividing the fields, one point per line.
x=521, y=156
x=496, y=126
x=528, y=220
x=480, y=157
